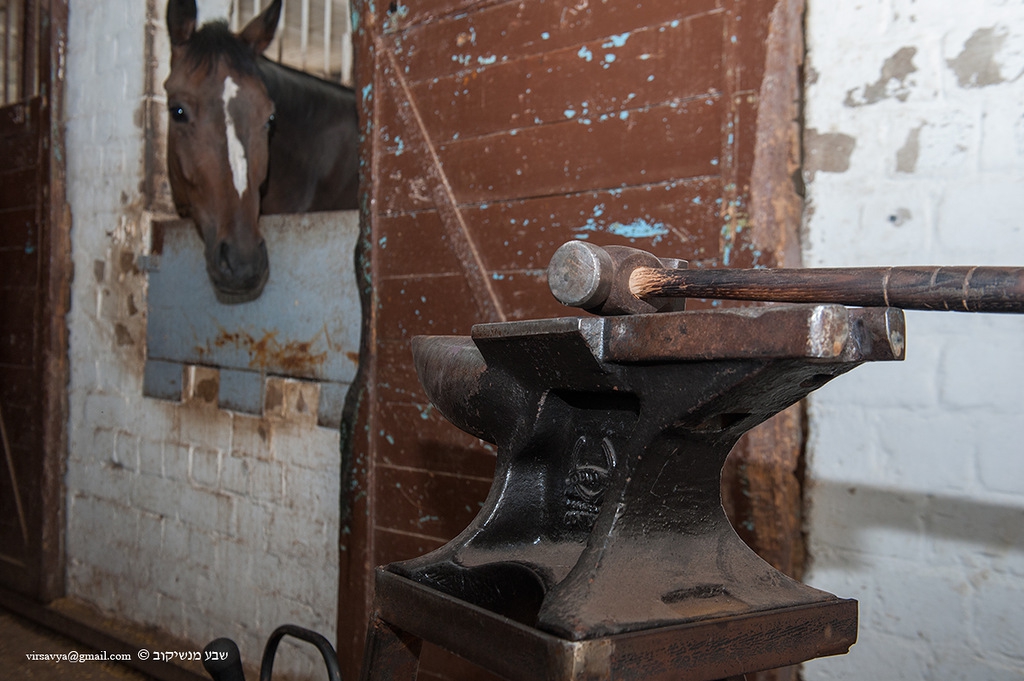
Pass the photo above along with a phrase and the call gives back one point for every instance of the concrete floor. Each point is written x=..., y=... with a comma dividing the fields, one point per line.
x=19, y=638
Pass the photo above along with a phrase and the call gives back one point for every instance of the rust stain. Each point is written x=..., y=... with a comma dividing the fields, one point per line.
x=268, y=351
x=353, y=357
x=207, y=390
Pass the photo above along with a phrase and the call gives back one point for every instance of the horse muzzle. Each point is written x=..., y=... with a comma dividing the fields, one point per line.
x=238, y=276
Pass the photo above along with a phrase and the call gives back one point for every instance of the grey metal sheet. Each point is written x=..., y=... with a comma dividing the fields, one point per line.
x=305, y=324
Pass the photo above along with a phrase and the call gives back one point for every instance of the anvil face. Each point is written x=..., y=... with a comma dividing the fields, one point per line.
x=605, y=515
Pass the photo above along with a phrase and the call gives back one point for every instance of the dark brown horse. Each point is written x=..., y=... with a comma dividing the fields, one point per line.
x=247, y=137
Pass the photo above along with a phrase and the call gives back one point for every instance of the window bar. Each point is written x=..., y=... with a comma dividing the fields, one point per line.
x=304, y=34
x=328, y=7
x=345, y=44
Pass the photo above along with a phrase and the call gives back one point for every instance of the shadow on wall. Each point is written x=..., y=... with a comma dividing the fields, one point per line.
x=848, y=517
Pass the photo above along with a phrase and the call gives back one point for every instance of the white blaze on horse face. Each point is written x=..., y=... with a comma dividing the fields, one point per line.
x=236, y=150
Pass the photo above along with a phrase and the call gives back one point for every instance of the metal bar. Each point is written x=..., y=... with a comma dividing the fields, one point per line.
x=7, y=51
x=345, y=40
x=304, y=33
x=962, y=289
x=30, y=44
x=279, y=33
x=328, y=10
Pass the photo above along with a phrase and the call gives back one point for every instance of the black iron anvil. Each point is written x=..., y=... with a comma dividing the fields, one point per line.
x=605, y=521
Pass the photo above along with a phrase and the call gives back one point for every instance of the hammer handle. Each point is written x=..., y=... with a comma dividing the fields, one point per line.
x=963, y=289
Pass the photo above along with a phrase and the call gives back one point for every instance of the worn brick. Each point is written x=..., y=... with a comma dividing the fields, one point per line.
x=251, y=438
x=151, y=457
x=176, y=460
x=267, y=480
x=204, y=467
x=914, y=476
x=235, y=475
x=210, y=511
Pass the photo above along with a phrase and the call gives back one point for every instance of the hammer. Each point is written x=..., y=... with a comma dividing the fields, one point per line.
x=616, y=280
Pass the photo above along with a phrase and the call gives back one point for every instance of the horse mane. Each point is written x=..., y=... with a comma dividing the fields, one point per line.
x=215, y=41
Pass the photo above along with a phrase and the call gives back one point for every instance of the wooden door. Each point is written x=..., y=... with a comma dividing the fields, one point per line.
x=496, y=131
x=34, y=292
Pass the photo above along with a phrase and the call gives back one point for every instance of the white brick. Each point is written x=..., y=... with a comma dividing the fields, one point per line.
x=156, y=495
x=176, y=460
x=305, y=445
x=126, y=451
x=996, y=617
x=151, y=457
x=933, y=453
x=205, y=467
x=254, y=520
x=313, y=491
x=251, y=438
x=293, y=533
x=267, y=480
x=235, y=475
x=204, y=510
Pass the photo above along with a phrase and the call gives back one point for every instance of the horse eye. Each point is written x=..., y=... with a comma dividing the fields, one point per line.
x=178, y=114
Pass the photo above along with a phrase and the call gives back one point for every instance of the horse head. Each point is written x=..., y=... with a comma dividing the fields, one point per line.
x=218, y=138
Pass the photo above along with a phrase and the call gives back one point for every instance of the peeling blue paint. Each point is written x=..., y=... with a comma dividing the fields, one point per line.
x=639, y=229
x=485, y=61
x=569, y=113
x=497, y=276
x=623, y=115
x=584, y=53
x=367, y=91
x=383, y=242
x=401, y=146
x=545, y=35
x=609, y=58
x=617, y=40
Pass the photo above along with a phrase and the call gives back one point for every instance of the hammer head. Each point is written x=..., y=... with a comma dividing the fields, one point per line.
x=596, y=278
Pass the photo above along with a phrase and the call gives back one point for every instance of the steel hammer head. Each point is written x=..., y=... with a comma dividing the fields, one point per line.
x=596, y=278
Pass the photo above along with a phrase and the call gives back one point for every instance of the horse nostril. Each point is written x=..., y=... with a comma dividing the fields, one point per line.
x=223, y=259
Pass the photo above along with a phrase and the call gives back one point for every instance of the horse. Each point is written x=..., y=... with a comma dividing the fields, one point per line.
x=247, y=136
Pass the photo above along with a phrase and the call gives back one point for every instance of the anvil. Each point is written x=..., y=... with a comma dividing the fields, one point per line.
x=603, y=549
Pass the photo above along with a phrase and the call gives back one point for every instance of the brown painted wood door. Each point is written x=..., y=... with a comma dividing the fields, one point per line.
x=34, y=293
x=20, y=367
x=496, y=131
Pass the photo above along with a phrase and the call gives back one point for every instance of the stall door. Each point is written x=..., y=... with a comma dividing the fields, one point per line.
x=34, y=275
x=496, y=131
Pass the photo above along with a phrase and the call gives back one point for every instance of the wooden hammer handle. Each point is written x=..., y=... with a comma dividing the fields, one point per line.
x=963, y=289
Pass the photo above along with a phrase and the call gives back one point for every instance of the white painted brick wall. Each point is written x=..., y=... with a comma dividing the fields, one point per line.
x=916, y=470
x=201, y=522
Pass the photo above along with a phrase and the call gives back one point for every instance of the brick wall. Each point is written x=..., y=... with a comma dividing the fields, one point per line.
x=914, y=154
x=196, y=520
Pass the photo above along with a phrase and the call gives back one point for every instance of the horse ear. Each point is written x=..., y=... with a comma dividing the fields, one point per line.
x=181, y=20
x=260, y=30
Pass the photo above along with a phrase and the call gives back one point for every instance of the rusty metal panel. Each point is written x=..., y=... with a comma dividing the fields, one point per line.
x=305, y=325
